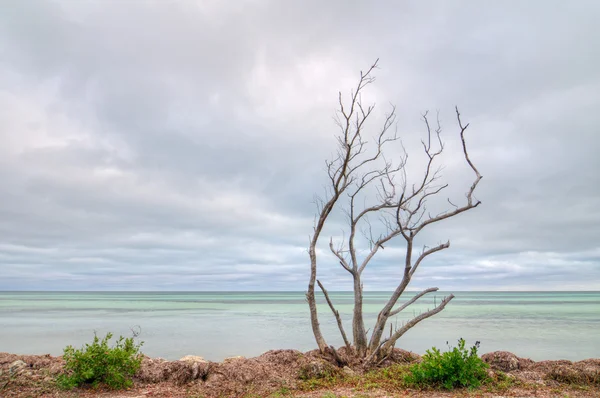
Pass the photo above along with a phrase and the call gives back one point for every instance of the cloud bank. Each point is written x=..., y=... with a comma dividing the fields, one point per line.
x=178, y=145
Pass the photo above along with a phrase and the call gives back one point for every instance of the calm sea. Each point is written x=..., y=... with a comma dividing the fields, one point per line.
x=215, y=325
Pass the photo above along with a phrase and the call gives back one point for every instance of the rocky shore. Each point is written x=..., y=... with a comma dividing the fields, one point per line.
x=280, y=373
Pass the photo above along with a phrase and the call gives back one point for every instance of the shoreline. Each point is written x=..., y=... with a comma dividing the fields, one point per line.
x=297, y=374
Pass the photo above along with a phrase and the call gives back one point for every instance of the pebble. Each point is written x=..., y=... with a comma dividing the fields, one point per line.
x=16, y=367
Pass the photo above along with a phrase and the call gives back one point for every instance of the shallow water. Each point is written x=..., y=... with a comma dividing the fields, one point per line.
x=539, y=325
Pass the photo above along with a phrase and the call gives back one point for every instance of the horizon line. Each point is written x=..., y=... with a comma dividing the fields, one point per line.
x=290, y=291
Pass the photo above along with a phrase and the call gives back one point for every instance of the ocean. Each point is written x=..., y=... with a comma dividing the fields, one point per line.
x=215, y=325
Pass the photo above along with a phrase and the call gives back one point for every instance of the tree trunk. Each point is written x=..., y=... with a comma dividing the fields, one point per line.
x=312, y=304
x=358, y=325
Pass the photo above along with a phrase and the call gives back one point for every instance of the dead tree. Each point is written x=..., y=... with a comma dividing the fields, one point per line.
x=359, y=170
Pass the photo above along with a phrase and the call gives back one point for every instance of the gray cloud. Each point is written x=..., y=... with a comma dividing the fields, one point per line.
x=154, y=146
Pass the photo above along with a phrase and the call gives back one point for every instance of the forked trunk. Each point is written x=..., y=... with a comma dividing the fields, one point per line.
x=384, y=314
x=358, y=324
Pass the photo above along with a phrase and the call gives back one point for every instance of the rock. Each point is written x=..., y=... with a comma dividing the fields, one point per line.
x=233, y=358
x=348, y=372
x=193, y=358
x=199, y=366
x=195, y=371
x=16, y=367
x=200, y=370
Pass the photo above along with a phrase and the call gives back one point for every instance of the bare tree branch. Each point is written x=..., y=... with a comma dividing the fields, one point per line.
x=373, y=354
x=340, y=257
x=336, y=313
x=390, y=342
x=378, y=244
x=464, y=145
x=427, y=253
x=478, y=177
x=412, y=300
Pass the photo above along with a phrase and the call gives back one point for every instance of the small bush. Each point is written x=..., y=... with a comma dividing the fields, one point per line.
x=98, y=363
x=458, y=367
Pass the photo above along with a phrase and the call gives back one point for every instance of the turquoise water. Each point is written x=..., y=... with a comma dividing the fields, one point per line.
x=215, y=325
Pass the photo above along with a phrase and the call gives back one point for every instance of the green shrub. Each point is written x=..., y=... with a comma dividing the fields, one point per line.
x=98, y=363
x=458, y=367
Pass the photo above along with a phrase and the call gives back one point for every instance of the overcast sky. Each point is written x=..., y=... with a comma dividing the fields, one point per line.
x=177, y=145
